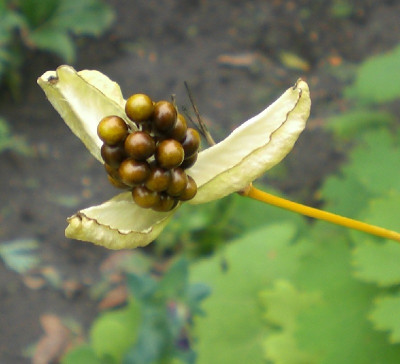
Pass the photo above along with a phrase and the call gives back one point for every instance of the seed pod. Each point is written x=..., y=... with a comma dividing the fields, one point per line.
x=158, y=180
x=166, y=203
x=139, y=145
x=191, y=142
x=144, y=197
x=178, y=132
x=189, y=162
x=169, y=153
x=112, y=130
x=133, y=172
x=112, y=155
x=139, y=107
x=164, y=116
x=190, y=190
x=178, y=182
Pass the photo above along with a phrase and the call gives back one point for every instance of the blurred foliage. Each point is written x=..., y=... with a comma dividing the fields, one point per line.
x=284, y=290
x=378, y=79
x=20, y=254
x=8, y=141
x=155, y=327
x=377, y=82
x=46, y=25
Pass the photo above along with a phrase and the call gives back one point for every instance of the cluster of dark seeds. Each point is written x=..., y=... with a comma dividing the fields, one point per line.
x=151, y=161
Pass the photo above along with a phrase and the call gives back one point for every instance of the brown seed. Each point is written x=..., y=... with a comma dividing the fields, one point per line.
x=116, y=182
x=139, y=107
x=139, y=145
x=169, y=153
x=164, y=116
x=112, y=130
x=178, y=182
x=144, y=197
x=158, y=180
x=178, y=132
x=191, y=142
x=190, y=190
x=189, y=162
x=112, y=172
x=133, y=172
x=112, y=155
x=166, y=203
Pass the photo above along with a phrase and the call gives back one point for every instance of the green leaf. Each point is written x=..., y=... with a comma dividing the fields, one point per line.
x=378, y=79
x=231, y=332
x=38, y=12
x=284, y=302
x=113, y=333
x=385, y=316
x=175, y=280
x=56, y=41
x=350, y=124
x=336, y=328
x=20, y=254
x=344, y=194
x=83, y=17
x=376, y=261
x=81, y=355
x=375, y=162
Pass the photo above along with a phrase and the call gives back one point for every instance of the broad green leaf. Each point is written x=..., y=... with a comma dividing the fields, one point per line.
x=344, y=195
x=113, y=333
x=375, y=162
x=20, y=254
x=336, y=328
x=378, y=78
x=350, y=124
x=55, y=41
x=374, y=261
x=38, y=12
x=283, y=304
x=83, y=17
x=81, y=355
x=232, y=330
x=174, y=282
x=386, y=316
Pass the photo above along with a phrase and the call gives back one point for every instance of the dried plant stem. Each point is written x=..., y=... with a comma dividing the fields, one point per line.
x=267, y=198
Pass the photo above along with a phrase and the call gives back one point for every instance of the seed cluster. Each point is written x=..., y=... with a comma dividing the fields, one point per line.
x=150, y=161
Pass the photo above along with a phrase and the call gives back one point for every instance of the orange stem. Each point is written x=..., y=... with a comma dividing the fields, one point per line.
x=267, y=198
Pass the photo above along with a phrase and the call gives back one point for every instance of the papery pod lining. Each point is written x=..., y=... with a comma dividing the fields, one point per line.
x=79, y=101
x=253, y=148
x=117, y=224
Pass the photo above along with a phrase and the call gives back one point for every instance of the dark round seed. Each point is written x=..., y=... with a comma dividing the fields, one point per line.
x=139, y=145
x=190, y=190
x=191, y=142
x=144, y=197
x=139, y=107
x=112, y=130
x=178, y=132
x=189, y=162
x=112, y=172
x=116, y=182
x=178, y=182
x=133, y=172
x=158, y=180
x=112, y=155
x=166, y=203
x=169, y=153
x=164, y=116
